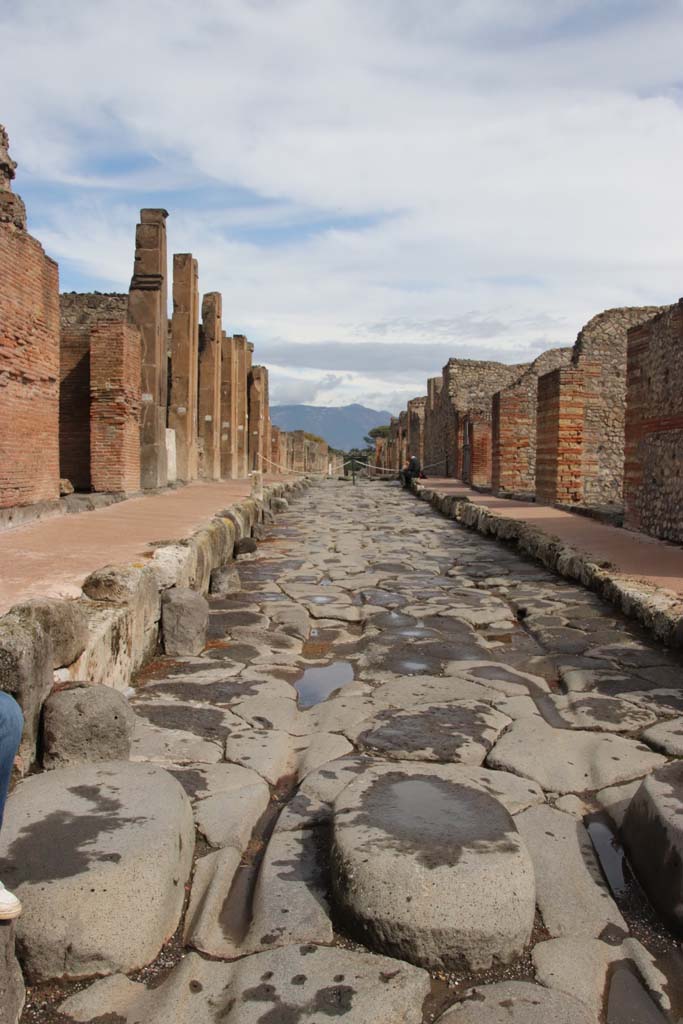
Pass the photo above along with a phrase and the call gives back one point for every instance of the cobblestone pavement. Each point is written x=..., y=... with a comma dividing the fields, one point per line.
x=409, y=752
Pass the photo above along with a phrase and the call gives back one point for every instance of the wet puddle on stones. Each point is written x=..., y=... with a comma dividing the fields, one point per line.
x=609, y=853
x=316, y=684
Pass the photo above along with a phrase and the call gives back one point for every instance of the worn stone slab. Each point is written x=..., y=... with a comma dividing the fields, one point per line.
x=605, y=714
x=327, y=781
x=571, y=892
x=293, y=985
x=667, y=737
x=405, y=692
x=313, y=751
x=75, y=847
x=652, y=832
x=505, y=679
x=184, y=620
x=580, y=968
x=177, y=732
x=517, y=1002
x=581, y=761
x=268, y=751
x=227, y=818
x=12, y=991
x=460, y=731
x=431, y=870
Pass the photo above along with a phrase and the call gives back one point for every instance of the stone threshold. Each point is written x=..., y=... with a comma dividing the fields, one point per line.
x=659, y=611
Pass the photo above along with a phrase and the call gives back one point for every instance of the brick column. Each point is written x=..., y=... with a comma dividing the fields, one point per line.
x=228, y=408
x=210, y=341
x=115, y=372
x=74, y=406
x=243, y=364
x=259, y=419
x=148, y=311
x=182, y=413
x=559, y=437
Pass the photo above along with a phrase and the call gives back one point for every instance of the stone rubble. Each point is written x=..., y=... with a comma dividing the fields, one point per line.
x=387, y=774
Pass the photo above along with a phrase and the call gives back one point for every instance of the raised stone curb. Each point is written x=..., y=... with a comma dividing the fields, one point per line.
x=114, y=629
x=659, y=611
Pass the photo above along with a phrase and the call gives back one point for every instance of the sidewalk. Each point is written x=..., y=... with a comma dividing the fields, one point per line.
x=635, y=556
x=52, y=557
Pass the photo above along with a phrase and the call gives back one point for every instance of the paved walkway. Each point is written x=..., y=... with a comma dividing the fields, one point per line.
x=383, y=757
x=635, y=555
x=52, y=557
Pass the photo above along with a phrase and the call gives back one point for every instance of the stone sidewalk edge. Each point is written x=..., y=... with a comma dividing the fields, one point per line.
x=658, y=610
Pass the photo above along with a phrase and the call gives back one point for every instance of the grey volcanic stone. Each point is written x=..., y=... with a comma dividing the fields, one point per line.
x=606, y=714
x=517, y=1002
x=461, y=731
x=26, y=672
x=99, y=856
x=245, y=546
x=571, y=891
x=86, y=723
x=11, y=981
x=431, y=870
x=64, y=622
x=570, y=760
x=652, y=832
x=279, y=504
x=300, y=984
x=225, y=581
x=184, y=621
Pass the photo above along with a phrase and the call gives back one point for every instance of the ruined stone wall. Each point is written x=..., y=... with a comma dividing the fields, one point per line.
x=513, y=427
x=600, y=351
x=466, y=386
x=653, y=483
x=29, y=355
x=298, y=456
x=115, y=401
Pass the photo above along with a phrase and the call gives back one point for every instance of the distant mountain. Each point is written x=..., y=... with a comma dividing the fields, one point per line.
x=342, y=426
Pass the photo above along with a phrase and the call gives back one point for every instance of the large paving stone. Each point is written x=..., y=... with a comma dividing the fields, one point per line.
x=666, y=737
x=99, y=856
x=570, y=760
x=294, y=985
x=461, y=731
x=176, y=732
x=652, y=832
x=430, y=869
x=86, y=723
x=406, y=692
x=12, y=990
x=571, y=891
x=184, y=621
x=605, y=714
x=517, y=1002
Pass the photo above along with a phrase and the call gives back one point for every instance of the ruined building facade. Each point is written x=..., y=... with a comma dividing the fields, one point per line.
x=104, y=393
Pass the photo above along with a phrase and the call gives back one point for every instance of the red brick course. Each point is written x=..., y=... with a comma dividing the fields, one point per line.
x=115, y=401
x=29, y=370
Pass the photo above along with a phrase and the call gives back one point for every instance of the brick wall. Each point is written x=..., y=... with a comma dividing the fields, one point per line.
x=513, y=427
x=653, y=483
x=115, y=399
x=465, y=386
x=29, y=362
x=475, y=449
x=559, y=442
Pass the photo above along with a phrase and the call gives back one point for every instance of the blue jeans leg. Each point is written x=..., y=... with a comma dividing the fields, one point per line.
x=11, y=726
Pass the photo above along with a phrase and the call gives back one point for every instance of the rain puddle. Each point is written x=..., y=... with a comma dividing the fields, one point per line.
x=316, y=684
x=409, y=667
x=610, y=853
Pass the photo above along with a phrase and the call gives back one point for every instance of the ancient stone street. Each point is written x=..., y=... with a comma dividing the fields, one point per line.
x=407, y=752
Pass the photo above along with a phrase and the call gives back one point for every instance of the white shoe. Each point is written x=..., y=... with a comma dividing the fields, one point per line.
x=10, y=906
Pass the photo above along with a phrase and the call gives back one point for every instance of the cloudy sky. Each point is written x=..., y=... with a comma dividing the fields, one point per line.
x=373, y=185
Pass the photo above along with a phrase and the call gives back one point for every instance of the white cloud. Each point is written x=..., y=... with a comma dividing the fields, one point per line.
x=488, y=173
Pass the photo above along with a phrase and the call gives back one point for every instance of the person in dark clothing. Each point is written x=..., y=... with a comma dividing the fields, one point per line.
x=410, y=471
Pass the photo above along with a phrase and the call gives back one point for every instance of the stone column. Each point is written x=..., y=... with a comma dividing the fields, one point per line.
x=298, y=451
x=148, y=311
x=243, y=357
x=182, y=413
x=228, y=408
x=259, y=427
x=210, y=340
